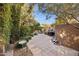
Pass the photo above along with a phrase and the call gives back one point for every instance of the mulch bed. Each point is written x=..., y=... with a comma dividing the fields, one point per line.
x=22, y=52
x=16, y=52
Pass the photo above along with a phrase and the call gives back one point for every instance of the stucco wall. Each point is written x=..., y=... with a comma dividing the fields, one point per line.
x=68, y=35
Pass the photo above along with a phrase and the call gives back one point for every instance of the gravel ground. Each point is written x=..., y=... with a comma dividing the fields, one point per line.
x=41, y=45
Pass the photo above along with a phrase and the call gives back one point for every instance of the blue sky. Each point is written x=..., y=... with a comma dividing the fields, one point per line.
x=41, y=17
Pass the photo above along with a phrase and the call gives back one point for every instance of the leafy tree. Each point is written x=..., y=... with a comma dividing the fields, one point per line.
x=26, y=21
x=37, y=26
x=58, y=22
x=7, y=22
x=1, y=18
x=66, y=12
x=16, y=11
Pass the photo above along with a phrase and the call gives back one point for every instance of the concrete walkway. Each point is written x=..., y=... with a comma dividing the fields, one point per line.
x=41, y=45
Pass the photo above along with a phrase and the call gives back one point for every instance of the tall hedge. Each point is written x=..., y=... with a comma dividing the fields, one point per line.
x=16, y=9
x=7, y=22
